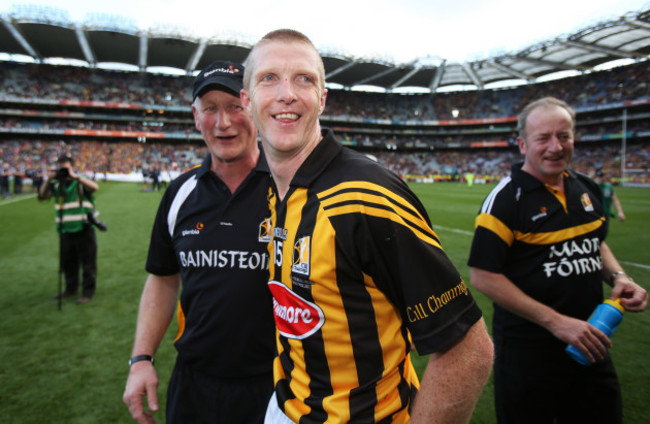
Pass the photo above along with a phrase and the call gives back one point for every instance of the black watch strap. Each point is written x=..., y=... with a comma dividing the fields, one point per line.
x=139, y=358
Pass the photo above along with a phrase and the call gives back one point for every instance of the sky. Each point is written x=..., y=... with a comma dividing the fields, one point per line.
x=397, y=31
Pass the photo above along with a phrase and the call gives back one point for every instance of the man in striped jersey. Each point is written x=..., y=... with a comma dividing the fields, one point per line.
x=539, y=253
x=357, y=273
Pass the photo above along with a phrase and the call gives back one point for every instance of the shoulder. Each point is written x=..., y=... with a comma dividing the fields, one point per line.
x=584, y=180
x=181, y=179
x=502, y=197
x=581, y=184
x=363, y=185
x=351, y=165
x=181, y=185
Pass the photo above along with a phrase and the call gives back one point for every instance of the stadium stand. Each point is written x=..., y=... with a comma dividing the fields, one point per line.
x=122, y=123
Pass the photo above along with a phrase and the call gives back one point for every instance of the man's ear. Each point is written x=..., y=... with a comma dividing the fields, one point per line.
x=245, y=100
x=196, y=118
x=522, y=145
x=323, y=98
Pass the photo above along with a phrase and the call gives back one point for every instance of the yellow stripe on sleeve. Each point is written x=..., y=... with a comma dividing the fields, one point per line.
x=495, y=225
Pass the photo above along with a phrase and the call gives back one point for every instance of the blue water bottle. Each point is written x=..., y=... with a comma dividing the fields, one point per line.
x=606, y=317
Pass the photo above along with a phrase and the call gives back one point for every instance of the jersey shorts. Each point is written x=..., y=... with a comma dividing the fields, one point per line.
x=197, y=398
x=357, y=274
x=218, y=242
x=547, y=243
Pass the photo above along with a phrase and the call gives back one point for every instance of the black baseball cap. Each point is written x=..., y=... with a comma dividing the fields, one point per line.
x=220, y=75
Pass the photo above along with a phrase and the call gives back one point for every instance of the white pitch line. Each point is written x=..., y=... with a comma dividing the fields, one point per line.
x=635, y=264
x=17, y=199
x=454, y=230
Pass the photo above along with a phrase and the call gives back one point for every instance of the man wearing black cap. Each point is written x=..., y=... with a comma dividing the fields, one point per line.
x=211, y=234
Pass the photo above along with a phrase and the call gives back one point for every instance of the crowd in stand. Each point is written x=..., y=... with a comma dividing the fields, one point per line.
x=615, y=85
x=438, y=139
x=84, y=124
x=30, y=157
x=101, y=157
x=494, y=164
x=75, y=83
x=32, y=81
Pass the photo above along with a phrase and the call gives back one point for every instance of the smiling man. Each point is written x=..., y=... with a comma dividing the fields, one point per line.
x=539, y=253
x=357, y=273
x=211, y=234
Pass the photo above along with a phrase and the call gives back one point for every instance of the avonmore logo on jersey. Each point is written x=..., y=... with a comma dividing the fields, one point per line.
x=295, y=317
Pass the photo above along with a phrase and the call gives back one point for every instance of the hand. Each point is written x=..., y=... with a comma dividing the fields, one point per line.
x=634, y=298
x=71, y=172
x=592, y=342
x=142, y=382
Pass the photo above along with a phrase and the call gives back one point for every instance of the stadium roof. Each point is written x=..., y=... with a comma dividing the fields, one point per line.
x=50, y=36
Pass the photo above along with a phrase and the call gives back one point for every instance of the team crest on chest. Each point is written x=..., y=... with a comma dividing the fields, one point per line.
x=265, y=232
x=302, y=256
x=586, y=202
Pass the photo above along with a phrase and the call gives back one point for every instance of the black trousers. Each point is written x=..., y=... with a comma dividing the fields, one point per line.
x=197, y=398
x=80, y=250
x=536, y=385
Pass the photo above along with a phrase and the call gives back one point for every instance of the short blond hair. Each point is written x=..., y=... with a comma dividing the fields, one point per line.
x=283, y=35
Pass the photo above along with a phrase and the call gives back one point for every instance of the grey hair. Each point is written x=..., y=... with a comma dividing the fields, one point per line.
x=543, y=102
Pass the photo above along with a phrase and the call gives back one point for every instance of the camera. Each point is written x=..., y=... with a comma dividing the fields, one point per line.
x=97, y=223
x=62, y=173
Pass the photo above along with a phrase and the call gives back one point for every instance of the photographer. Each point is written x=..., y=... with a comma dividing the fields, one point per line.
x=74, y=217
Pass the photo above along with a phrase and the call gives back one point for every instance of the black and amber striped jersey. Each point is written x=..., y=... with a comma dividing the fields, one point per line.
x=356, y=272
x=546, y=242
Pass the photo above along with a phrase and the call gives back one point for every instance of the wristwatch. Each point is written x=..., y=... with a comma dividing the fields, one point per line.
x=615, y=274
x=139, y=358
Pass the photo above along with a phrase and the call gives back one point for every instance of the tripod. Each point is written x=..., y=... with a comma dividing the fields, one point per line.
x=58, y=230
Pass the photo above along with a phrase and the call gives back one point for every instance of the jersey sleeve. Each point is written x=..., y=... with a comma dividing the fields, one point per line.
x=161, y=258
x=493, y=234
x=405, y=257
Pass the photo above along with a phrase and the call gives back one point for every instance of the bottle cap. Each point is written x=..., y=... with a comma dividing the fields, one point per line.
x=615, y=303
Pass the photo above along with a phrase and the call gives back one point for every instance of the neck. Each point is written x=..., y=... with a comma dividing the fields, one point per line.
x=283, y=171
x=235, y=172
x=556, y=186
x=284, y=165
x=554, y=181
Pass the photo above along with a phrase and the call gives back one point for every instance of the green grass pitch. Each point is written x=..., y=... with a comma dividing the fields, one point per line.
x=70, y=366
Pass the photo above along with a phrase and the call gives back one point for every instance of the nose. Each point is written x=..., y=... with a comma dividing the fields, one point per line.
x=556, y=143
x=223, y=119
x=286, y=92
